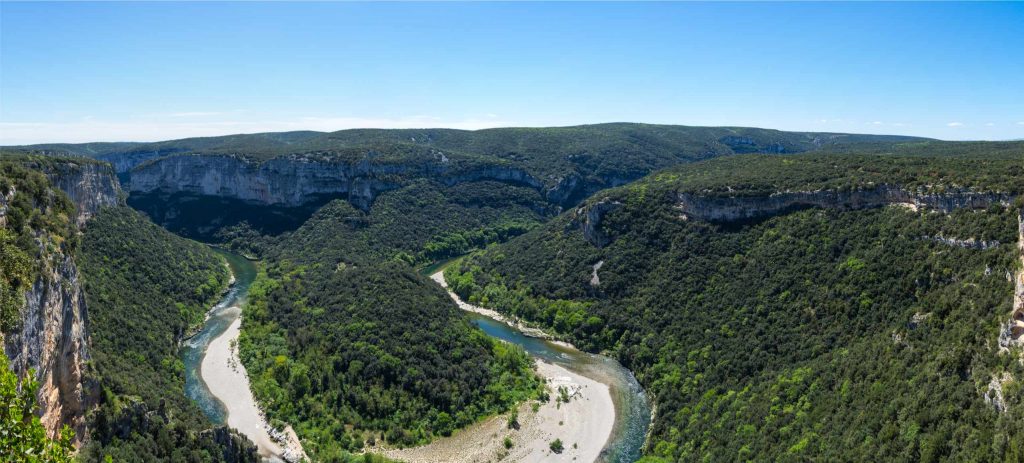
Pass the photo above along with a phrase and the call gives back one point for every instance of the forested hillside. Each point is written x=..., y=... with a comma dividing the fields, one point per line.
x=346, y=342
x=599, y=143
x=423, y=222
x=843, y=303
x=834, y=333
x=173, y=180
x=145, y=288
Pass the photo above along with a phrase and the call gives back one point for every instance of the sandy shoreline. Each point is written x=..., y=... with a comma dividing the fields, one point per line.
x=584, y=424
x=226, y=378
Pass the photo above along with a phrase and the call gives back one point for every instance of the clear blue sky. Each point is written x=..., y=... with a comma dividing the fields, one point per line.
x=146, y=71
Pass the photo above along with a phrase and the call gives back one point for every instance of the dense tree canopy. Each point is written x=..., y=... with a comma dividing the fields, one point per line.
x=814, y=335
x=145, y=288
x=346, y=342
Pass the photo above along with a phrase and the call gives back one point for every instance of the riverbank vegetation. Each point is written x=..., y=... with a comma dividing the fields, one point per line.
x=376, y=354
x=813, y=335
x=347, y=343
x=145, y=288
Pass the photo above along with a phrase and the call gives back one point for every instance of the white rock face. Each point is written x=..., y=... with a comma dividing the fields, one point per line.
x=730, y=209
x=52, y=336
x=90, y=186
x=53, y=340
x=294, y=181
x=739, y=208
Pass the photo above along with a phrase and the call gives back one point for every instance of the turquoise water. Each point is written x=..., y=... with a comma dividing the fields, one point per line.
x=632, y=411
x=195, y=347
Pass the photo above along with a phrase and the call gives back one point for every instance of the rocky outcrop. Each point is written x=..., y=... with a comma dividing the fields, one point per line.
x=993, y=395
x=51, y=338
x=1011, y=333
x=588, y=219
x=91, y=186
x=713, y=208
x=968, y=243
x=739, y=208
x=573, y=188
x=740, y=144
x=234, y=448
x=595, y=279
x=53, y=341
x=297, y=180
x=498, y=173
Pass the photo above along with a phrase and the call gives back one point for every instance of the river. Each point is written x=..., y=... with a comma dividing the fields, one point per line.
x=632, y=412
x=215, y=379
x=218, y=320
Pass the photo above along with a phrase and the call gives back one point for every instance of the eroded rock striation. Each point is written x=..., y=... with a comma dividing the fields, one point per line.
x=52, y=337
x=740, y=208
x=726, y=209
x=296, y=180
x=91, y=186
x=52, y=340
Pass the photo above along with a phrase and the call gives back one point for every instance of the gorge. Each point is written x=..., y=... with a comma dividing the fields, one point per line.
x=667, y=266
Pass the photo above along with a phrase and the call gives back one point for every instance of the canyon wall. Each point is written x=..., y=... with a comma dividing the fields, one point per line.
x=295, y=180
x=52, y=340
x=51, y=337
x=725, y=209
x=91, y=186
x=732, y=209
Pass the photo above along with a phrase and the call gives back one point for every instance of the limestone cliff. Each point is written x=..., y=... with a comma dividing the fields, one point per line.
x=51, y=337
x=589, y=218
x=52, y=340
x=1011, y=333
x=739, y=208
x=297, y=180
x=715, y=208
x=91, y=186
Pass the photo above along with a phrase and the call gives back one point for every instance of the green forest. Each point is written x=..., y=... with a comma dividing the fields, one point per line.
x=145, y=289
x=346, y=342
x=815, y=335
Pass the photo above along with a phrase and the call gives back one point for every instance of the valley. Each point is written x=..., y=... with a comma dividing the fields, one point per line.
x=511, y=232
x=217, y=382
x=625, y=292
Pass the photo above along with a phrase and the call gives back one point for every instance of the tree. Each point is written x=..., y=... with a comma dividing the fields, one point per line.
x=556, y=446
x=22, y=436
